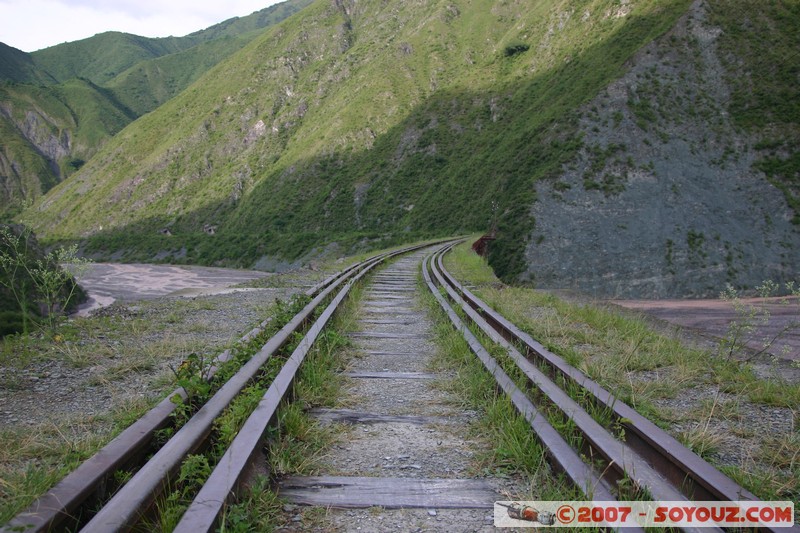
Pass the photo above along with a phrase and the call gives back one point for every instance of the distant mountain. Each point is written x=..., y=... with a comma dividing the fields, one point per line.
x=148, y=84
x=18, y=66
x=60, y=104
x=102, y=57
x=611, y=145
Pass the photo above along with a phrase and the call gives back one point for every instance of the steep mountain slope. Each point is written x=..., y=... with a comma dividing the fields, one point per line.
x=154, y=71
x=148, y=84
x=102, y=57
x=666, y=197
x=364, y=122
x=49, y=132
x=360, y=119
x=18, y=66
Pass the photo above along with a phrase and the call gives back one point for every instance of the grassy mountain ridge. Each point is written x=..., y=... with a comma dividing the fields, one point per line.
x=121, y=76
x=359, y=121
x=101, y=57
x=148, y=84
x=19, y=67
x=106, y=55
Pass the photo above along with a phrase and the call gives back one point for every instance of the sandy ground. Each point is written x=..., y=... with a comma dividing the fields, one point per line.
x=108, y=282
x=713, y=317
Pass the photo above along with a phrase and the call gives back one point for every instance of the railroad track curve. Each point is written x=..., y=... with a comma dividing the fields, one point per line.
x=71, y=504
x=647, y=457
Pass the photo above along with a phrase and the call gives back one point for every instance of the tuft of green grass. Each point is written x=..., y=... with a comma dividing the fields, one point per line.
x=515, y=449
x=649, y=371
x=258, y=509
x=33, y=459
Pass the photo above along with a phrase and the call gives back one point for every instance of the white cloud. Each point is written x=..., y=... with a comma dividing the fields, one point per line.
x=34, y=24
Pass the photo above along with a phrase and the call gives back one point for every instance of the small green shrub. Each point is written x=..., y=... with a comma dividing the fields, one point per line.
x=516, y=48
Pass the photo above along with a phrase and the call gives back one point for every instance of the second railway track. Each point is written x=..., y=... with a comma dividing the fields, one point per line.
x=398, y=417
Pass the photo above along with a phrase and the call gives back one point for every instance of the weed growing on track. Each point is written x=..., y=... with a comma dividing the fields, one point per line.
x=296, y=441
x=192, y=375
x=743, y=332
x=515, y=449
x=662, y=378
x=44, y=458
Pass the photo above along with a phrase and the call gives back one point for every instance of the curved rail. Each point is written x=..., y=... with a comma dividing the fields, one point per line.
x=204, y=511
x=562, y=456
x=63, y=505
x=648, y=456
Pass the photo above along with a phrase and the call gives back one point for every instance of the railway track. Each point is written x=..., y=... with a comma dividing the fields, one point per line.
x=72, y=503
x=647, y=461
x=654, y=462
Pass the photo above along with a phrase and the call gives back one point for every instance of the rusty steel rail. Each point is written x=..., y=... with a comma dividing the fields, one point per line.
x=562, y=456
x=648, y=456
x=126, y=507
x=62, y=507
x=204, y=511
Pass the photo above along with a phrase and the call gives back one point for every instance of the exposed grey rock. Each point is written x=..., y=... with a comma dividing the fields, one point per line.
x=663, y=201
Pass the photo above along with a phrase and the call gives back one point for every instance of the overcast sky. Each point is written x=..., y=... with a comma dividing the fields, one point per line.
x=35, y=24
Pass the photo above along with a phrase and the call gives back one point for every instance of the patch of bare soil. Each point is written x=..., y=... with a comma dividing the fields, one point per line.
x=708, y=322
x=713, y=318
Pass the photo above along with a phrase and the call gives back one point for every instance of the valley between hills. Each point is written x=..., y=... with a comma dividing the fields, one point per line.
x=632, y=164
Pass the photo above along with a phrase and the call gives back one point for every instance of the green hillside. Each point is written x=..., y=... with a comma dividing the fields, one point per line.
x=368, y=123
x=258, y=20
x=106, y=81
x=49, y=132
x=104, y=56
x=148, y=84
x=359, y=121
x=759, y=46
x=18, y=66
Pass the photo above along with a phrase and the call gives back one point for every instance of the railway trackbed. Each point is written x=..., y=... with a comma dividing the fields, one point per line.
x=397, y=418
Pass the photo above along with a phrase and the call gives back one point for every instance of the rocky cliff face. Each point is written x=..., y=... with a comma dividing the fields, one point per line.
x=663, y=199
x=29, y=159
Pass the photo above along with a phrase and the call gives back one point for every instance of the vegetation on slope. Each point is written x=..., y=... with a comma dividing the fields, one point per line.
x=759, y=45
x=358, y=122
x=18, y=66
x=49, y=132
x=148, y=84
x=88, y=90
x=35, y=288
x=106, y=55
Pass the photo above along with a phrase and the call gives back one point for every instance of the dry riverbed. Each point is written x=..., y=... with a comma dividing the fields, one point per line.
x=122, y=353
x=62, y=396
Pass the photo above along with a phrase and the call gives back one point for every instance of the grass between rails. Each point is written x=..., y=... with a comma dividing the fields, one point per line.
x=38, y=455
x=719, y=408
x=515, y=450
x=196, y=468
x=296, y=443
x=121, y=353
